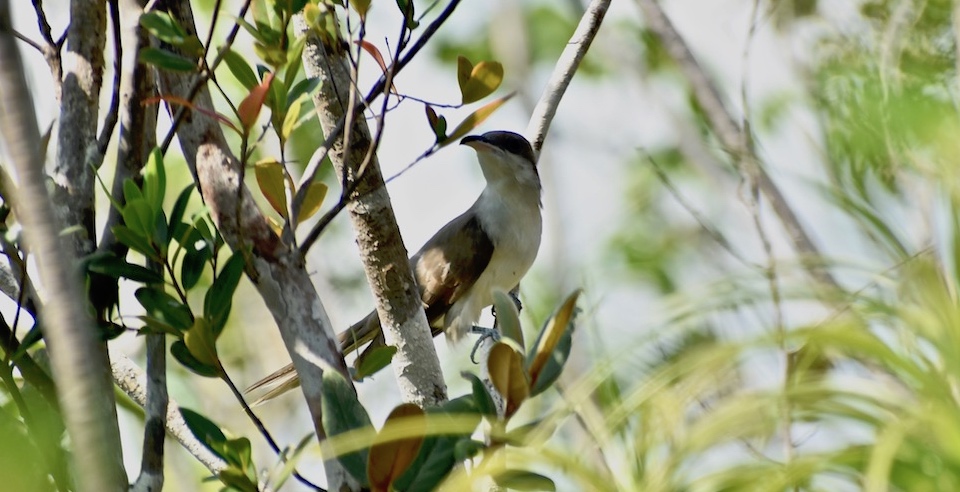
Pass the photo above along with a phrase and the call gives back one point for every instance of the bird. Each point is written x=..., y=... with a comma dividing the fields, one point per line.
x=489, y=247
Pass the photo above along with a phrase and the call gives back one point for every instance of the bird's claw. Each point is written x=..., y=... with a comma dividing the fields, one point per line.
x=484, y=333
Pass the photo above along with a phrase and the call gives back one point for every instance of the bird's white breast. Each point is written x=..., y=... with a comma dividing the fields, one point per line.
x=514, y=225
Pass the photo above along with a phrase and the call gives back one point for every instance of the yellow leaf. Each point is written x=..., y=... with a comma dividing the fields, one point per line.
x=291, y=120
x=396, y=446
x=313, y=200
x=485, y=77
x=271, y=177
x=474, y=120
x=552, y=334
x=200, y=342
x=464, y=68
x=505, y=366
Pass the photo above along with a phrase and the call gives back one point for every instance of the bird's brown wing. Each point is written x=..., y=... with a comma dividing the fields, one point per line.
x=450, y=263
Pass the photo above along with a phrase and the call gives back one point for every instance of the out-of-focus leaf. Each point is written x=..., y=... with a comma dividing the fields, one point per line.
x=508, y=319
x=507, y=374
x=437, y=123
x=524, y=480
x=550, y=337
x=481, y=396
x=389, y=458
x=375, y=53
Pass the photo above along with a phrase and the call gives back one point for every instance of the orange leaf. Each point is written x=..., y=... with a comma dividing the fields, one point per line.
x=505, y=366
x=475, y=118
x=390, y=455
x=375, y=53
x=249, y=108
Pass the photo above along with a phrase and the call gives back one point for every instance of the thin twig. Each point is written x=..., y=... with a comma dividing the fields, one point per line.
x=729, y=133
x=312, y=170
x=110, y=122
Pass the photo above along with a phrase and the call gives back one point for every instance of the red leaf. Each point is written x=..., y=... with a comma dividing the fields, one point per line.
x=249, y=108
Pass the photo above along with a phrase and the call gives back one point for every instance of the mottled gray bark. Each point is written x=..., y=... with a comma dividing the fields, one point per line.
x=384, y=257
x=276, y=269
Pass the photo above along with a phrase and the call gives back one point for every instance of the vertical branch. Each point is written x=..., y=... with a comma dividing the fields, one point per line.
x=277, y=271
x=382, y=252
x=563, y=72
x=84, y=391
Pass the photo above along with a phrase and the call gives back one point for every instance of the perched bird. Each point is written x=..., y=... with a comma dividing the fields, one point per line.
x=489, y=247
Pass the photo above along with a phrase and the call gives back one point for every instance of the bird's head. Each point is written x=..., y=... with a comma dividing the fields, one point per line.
x=506, y=158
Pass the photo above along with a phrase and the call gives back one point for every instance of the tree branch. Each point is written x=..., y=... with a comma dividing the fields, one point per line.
x=84, y=391
x=276, y=270
x=731, y=137
x=132, y=381
x=563, y=72
x=384, y=257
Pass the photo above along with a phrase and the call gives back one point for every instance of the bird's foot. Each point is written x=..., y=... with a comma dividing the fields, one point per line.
x=491, y=333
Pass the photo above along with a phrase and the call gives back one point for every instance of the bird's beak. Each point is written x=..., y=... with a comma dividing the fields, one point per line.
x=476, y=141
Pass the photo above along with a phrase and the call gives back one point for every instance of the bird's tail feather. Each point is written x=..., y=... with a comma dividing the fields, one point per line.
x=286, y=378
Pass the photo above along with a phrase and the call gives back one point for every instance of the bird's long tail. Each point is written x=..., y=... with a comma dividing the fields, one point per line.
x=286, y=378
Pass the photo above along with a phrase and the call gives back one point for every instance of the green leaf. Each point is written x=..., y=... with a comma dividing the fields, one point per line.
x=361, y=6
x=219, y=299
x=198, y=253
x=164, y=27
x=240, y=69
x=166, y=60
x=114, y=267
x=236, y=479
x=290, y=120
x=465, y=449
x=373, y=361
x=139, y=217
x=155, y=326
x=155, y=181
x=303, y=88
x=131, y=191
x=165, y=307
x=408, y=11
x=342, y=412
x=508, y=319
x=180, y=352
x=180, y=207
x=205, y=431
x=481, y=396
x=201, y=341
x=437, y=123
x=135, y=241
x=524, y=480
